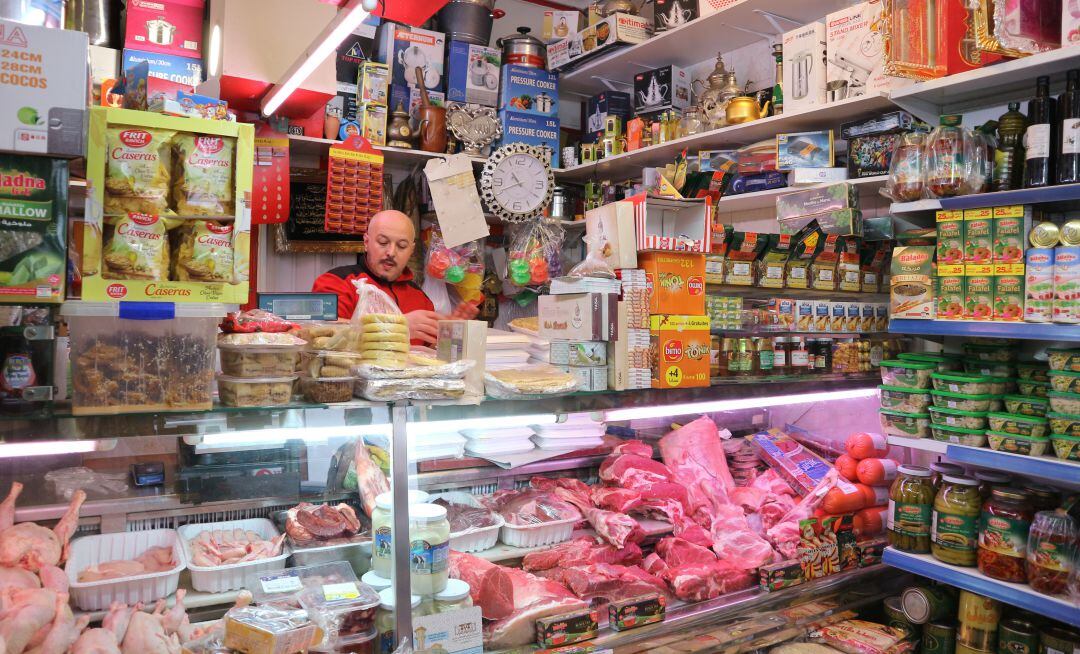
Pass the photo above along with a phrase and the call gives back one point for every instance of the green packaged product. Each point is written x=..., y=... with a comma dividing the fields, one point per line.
x=33, y=228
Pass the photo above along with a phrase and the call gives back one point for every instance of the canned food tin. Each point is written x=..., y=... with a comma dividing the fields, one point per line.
x=939, y=637
x=980, y=613
x=1070, y=233
x=1044, y=235
x=922, y=604
x=1055, y=639
x=964, y=649
x=983, y=640
x=1016, y=636
x=894, y=617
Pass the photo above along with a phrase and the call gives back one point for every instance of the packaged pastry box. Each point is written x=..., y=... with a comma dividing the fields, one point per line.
x=167, y=217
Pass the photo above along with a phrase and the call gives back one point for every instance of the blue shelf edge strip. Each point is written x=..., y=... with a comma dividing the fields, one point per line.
x=1061, y=193
x=1021, y=330
x=1025, y=465
x=976, y=583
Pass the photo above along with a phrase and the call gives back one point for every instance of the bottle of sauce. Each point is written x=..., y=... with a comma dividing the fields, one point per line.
x=780, y=356
x=800, y=356
x=1069, y=105
x=1040, y=137
x=1009, y=157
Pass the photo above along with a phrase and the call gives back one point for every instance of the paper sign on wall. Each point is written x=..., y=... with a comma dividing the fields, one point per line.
x=457, y=203
x=454, y=632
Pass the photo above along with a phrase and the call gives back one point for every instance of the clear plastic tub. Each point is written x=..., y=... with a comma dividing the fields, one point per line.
x=259, y=360
x=343, y=609
x=142, y=356
x=260, y=391
x=220, y=578
x=283, y=587
x=327, y=390
x=146, y=588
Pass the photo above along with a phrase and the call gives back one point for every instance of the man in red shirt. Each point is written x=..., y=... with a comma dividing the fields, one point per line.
x=389, y=242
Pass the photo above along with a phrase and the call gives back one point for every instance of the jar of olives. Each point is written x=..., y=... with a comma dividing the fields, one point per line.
x=954, y=526
x=911, y=500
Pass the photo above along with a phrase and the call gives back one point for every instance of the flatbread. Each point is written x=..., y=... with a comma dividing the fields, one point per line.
x=384, y=337
x=383, y=318
x=385, y=328
x=390, y=346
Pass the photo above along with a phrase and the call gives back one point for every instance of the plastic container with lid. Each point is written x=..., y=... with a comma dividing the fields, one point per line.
x=1018, y=443
x=1003, y=533
x=382, y=549
x=344, y=609
x=939, y=469
x=955, y=520
x=1064, y=423
x=1014, y=423
x=384, y=619
x=373, y=579
x=955, y=382
x=455, y=596
x=429, y=548
x=1027, y=405
x=908, y=400
x=259, y=360
x=942, y=362
x=1033, y=370
x=961, y=401
x=958, y=418
x=906, y=374
x=327, y=390
x=257, y=391
x=959, y=435
x=911, y=499
x=107, y=340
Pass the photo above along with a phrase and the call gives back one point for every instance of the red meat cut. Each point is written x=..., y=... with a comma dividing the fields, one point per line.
x=616, y=528
x=581, y=551
x=615, y=499
x=609, y=582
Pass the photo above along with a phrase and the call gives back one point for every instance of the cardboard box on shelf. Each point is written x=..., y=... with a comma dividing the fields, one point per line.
x=181, y=70
x=811, y=176
x=372, y=119
x=805, y=149
x=681, y=349
x=579, y=316
x=911, y=292
x=372, y=83
x=44, y=111
x=589, y=378
x=34, y=208
x=190, y=105
x=531, y=129
x=628, y=355
x=357, y=48
x=404, y=49
x=140, y=90
x=607, y=103
x=979, y=297
x=672, y=225
x=661, y=89
x=173, y=27
x=600, y=36
x=804, y=67
x=559, y=25
x=611, y=228
x=529, y=90
x=856, y=52
x=669, y=14
x=409, y=98
x=473, y=73
x=676, y=282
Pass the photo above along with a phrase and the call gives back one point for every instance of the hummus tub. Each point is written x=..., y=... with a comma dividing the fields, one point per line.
x=1066, y=447
x=953, y=382
x=909, y=400
x=1027, y=405
x=909, y=425
x=1065, y=381
x=1064, y=402
x=1064, y=424
x=958, y=418
x=906, y=374
x=1009, y=423
x=1017, y=444
x=1063, y=358
x=1033, y=372
x=961, y=401
x=988, y=368
x=1035, y=388
x=988, y=352
x=943, y=363
x=959, y=435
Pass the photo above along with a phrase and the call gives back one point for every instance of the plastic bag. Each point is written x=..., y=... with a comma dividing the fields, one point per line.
x=137, y=247
x=387, y=390
x=534, y=255
x=415, y=370
x=527, y=382
x=378, y=326
x=593, y=265
x=204, y=251
x=862, y=637
x=203, y=182
x=138, y=170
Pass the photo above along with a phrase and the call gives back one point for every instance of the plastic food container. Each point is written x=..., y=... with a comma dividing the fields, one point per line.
x=328, y=363
x=218, y=579
x=962, y=402
x=1002, y=385
x=146, y=588
x=1032, y=387
x=959, y=435
x=261, y=391
x=343, y=609
x=1017, y=444
x=954, y=382
x=941, y=362
x=545, y=533
x=477, y=540
x=1064, y=402
x=1033, y=371
x=906, y=374
x=909, y=400
x=110, y=375
x=1066, y=447
x=259, y=360
x=908, y=425
x=1010, y=423
x=1065, y=381
x=281, y=588
x=1063, y=358
x=958, y=418
x=357, y=554
x=988, y=368
x=1027, y=405
x=1063, y=423
x=327, y=390
x=988, y=352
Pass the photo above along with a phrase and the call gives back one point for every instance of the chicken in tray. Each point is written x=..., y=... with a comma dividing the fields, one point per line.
x=154, y=559
x=310, y=525
x=217, y=547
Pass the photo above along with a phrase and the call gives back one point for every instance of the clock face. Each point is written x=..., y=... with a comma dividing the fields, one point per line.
x=519, y=183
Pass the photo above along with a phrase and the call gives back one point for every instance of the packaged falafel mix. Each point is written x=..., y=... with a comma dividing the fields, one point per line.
x=33, y=225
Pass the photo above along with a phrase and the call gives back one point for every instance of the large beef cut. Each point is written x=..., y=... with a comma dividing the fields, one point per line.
x=321, y=524
x=581, y=551
x=608, y=582
x=510, y=600
x=694, y=572
x=530, y=507
x=616, y=528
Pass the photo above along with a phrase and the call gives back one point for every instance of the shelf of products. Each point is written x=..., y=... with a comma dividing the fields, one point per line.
x=630, y=164
x=693, y=42
x=977, y=329
x=868, y=187
x=1045, y=467
x=1048, y=195
x=317, y=147
x=970, y=579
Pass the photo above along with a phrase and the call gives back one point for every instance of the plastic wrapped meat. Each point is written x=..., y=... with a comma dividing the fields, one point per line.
x=464, y=518
x=531, y=507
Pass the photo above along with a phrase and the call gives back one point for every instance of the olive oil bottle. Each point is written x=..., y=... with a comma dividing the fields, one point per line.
x=1009, y=157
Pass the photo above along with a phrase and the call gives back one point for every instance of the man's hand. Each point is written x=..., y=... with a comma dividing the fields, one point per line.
x=423, y=325
x=465, y=311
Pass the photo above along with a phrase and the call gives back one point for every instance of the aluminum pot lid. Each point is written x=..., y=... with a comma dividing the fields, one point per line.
x=521, y=38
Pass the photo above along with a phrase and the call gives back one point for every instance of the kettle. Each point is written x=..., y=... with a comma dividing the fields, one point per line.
x=609, y=7
x=744, y=108
x=712, y=87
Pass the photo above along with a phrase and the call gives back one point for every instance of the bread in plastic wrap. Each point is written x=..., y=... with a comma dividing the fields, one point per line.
x=527, y=382
x=333, y=336
x=416, y=367
x=382, y=329
x=387, y=390
x=138, y=170
x=202, y=184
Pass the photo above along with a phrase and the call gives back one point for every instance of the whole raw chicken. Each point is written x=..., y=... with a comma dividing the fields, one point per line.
x=31, y=546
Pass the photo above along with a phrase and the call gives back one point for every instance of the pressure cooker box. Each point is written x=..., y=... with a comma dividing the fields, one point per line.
x=174, y=27
x=529, y=90
x=405, y=49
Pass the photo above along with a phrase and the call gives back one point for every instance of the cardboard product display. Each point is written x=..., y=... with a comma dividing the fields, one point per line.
x=353, y=186
x=173, y=27
x=804, y=67
x=404, y=49
x=473, y=73
x=611, y=227
x=680, y=347
x=672, y=225
x=529, y=90
x=270, y=177
x=675, y=282
x=600, y=36
x=531, y=129
x=661, y=89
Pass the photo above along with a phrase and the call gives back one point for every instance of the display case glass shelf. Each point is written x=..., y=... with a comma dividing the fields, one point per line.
x=973, y=329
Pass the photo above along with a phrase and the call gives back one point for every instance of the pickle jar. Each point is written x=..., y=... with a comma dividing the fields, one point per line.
x=1051, y=549
x=1043, y=498
x=911, y=500
x=989, y=480
x=907, y=167
x=949, y=157
x=1003, y=533
x=954, y=525
x=939, y=469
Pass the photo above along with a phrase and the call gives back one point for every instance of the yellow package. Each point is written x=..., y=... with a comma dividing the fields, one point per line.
x=203, y=183
x=138, y=165
x=204, y=251
x=136, y=247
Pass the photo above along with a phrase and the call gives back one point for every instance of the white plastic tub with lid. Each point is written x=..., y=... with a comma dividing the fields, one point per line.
x=429, y=548
x=382, y=526
x=455, y=596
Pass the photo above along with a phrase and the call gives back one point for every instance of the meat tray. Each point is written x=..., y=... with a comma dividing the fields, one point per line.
x=476, y=540
x=546, y=533
x=146, y=588
x=218, y=579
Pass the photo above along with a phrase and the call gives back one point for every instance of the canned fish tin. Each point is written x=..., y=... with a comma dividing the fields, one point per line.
x=922, y=604
x=894, y=617
x=1070, y=233
x=1016, y=636
x=939, y=637
x=1044, y=235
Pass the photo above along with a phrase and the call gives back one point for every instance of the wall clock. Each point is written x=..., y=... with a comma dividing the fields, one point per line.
x=517, y=181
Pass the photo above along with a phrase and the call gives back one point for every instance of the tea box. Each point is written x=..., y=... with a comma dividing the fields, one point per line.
x=911, y=290
x=804, y=75
x=1067, y=285
x=804, y=315
x=676, y=282
x=1011, y=227
x=950, y=297
x=823, y=315
x=567, y=628
x=579, y=316
x=816, y=200
x=979, y=297
x=854, y=315
x=978, y=236
x=681, y=350
x=1009, y=298
x=661, y=89
x=636, y=612
x=950, y=242
x=1039, y=285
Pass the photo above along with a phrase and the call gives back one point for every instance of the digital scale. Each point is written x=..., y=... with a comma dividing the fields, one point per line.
x=300, y=306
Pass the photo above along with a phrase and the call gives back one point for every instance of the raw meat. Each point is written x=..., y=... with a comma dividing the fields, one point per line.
x=785, y=533
x=464, y=518
x=216, y=547
x=530, y=507
x=512, y=599
x=32, y=546
x=634, y=447
x=676, y=552
x=64, y=630
x=609, y=582
x=633, y=471
x=24, y=612
x=694, y=573
x=321, y=524
x=154, y=559
x=581, y=551
x=615, y=499
x=616, y=528
x=370, y=480
x=7, y=507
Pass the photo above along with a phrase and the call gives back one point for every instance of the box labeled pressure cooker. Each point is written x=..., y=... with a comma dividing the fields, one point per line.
x=173, y=27
x=529, y=90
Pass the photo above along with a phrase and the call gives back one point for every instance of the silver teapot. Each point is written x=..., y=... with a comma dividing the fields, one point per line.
x=717, y=89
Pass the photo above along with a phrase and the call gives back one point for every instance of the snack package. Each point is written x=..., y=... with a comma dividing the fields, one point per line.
x=383, y=333
x=594, y=264
x=138, y=170
x=136, y=247
x=534, y=254
x=336, y=336
x=528, y=382
x=203, y=181
x=862, y=637
x=204, y=251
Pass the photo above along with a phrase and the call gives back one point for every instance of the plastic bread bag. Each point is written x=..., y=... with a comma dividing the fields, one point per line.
x=417, y=367
x=336, y=336
x=136, y=247
x=138, y=170
x=527, y=382
x=534, y=256
x=594, y=264
x=862, y=637
x=379, y=330
x=202, y=184
x=387, y=390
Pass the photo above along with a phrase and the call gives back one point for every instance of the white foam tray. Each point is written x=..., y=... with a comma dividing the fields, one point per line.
x=476, y=540
x=547, y=533
x=145, y=588
x=218, y=579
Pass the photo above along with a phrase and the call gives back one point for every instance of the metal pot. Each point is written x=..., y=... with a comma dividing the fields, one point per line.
x=468, y=20
x=523, y=49
x=95, y=17
x=160, y=31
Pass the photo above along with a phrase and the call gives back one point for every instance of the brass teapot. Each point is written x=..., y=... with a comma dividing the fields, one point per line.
x=744, y=109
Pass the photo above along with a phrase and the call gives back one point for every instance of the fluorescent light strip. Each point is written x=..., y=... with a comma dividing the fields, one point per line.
x=282, y=434
x=734, y=405
x=314, y=58
x=45, y=448
x=436, y=426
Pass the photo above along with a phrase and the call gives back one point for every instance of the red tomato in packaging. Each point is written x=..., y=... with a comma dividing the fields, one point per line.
x=876, y=472
x=845, y=498
x=870, y=521
x=862, y=445
x=847, y=467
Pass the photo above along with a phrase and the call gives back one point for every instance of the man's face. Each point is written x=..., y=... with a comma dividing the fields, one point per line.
x=390, y=243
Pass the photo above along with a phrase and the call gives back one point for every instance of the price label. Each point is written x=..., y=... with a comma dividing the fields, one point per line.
x=284, y=584
x=342, y=591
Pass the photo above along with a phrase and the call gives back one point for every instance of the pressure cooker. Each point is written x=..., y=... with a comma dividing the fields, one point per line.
x=523, y=49
x=468, y=21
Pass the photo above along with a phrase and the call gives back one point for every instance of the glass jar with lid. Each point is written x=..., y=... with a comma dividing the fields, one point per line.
x=429, y=548
x=1043, y=497
x=800, y=356
x=939, y=469
x=1003, y=533
x=911, y=501
x=989, y=480
x=781, y=364
x=742, y=360
x=823, y=356
x=727, y=352
x=455, y=596
x=382, y=548
x=384, y=619
x=763, y=347
x=954, y=525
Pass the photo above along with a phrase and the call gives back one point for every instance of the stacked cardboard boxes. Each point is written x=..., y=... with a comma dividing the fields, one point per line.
x=678, y=326
x=980, y=257
x=629, y=354
x=529, y=107
x=579, y=327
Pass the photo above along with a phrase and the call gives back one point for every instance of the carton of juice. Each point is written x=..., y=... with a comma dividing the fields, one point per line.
x=1039, y=285
x=837, y=315
x=979, y=297
x=822, y=316
x=1067, y=284
x=866, y=320
x=950, y=240
x=1009, y=298
x=1011, y=226
x=950, y=297
x=978, y=236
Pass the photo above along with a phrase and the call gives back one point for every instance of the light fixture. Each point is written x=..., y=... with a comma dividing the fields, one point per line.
x=46, y=448
x=442, y=426
x=707, y=406
x=347, y=19
x=213, y=58
x=278, y=436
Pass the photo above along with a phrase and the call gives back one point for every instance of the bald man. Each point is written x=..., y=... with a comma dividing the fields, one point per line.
x=389, y=242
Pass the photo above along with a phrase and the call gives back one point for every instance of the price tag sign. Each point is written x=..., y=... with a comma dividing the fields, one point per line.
x=342, y=591
x=287, y=583
x=270, y=177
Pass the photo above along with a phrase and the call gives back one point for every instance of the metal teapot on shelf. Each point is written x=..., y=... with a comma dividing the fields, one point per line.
x=609, y=7
x=745, y=108
x=718, y=87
